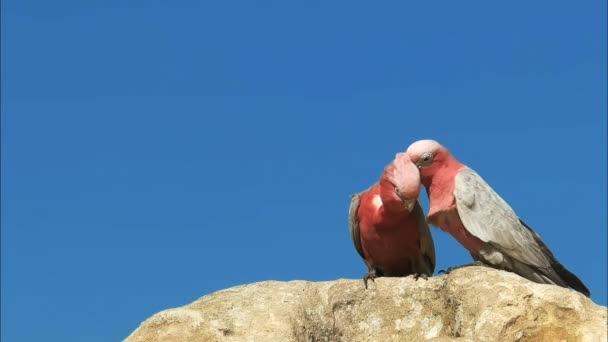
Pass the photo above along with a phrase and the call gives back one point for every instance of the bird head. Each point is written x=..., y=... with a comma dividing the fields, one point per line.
x=403, y=175
x=428, y=156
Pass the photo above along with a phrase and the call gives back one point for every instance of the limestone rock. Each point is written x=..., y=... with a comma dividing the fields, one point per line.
x=469, y=304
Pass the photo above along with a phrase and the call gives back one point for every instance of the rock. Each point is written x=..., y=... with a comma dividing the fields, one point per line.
x=469, y=304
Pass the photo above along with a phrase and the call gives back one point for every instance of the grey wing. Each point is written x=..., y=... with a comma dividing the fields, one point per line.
x=570, y=279
x=353, y=223
x=488, y=217
x=427, y=247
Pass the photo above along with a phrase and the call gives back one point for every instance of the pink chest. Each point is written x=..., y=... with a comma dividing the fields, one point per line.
x=388, y=242
x=449, y=221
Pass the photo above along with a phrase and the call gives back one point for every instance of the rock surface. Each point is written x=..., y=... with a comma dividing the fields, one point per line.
x=469, y=304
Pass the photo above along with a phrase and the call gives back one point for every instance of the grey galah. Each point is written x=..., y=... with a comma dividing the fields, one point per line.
x=464, y=205
x=387, y=224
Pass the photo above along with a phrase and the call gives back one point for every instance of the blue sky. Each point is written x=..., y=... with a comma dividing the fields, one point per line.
x=154, y=151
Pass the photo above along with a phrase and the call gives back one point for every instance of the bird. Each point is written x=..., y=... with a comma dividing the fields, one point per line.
x=388, y=227
x=464, y=205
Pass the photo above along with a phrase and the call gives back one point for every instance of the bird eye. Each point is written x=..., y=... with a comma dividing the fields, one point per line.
x=426, y=158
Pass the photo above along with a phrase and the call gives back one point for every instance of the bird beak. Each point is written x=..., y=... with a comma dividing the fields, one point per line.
x=409, y=204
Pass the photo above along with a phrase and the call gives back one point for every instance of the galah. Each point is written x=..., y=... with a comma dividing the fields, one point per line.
x=464, y=205
x=388, y=227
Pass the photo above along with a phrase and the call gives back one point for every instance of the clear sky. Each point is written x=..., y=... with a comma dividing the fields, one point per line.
x=156, y=151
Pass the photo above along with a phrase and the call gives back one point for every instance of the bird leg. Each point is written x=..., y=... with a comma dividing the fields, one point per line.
x=450, y=269
x=370, y=275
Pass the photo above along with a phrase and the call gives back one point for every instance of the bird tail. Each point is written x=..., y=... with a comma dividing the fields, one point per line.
x=557, y=269
x=570, y=278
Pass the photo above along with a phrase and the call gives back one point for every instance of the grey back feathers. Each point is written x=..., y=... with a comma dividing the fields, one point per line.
x=488, y=217
x=510, y=243
x=353, y=223
x=427, y=246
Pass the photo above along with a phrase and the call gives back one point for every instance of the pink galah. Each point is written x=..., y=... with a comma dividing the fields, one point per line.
x=464, y=205
x=388, y=227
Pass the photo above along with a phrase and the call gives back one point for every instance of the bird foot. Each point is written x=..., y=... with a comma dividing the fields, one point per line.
x=450, y=269
x=371, y=275
x=420, y=275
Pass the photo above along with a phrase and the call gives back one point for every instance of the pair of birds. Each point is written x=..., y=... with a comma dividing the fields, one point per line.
x=391, y=234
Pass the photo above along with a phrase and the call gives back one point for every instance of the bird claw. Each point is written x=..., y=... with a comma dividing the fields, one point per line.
x=450, y=269
x=420, y=275
x=446, y=271
x=371, y=275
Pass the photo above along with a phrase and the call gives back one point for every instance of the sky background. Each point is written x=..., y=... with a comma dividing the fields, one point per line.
x=156, y=151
